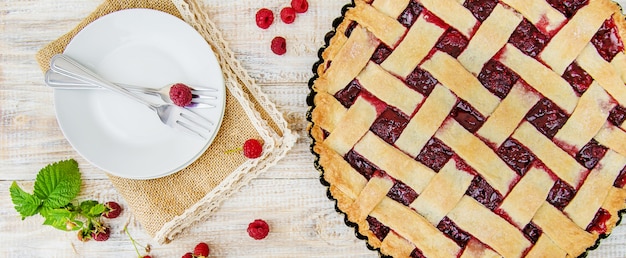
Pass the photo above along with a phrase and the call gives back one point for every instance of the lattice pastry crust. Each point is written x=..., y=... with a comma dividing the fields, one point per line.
x=450, y=128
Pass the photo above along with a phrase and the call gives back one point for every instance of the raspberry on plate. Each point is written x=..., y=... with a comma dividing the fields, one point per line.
x=180, y=94
x=264, y=18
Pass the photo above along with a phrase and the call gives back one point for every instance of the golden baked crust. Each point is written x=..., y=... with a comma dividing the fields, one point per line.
x=438, y=147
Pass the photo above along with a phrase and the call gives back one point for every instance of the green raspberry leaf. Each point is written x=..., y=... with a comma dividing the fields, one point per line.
x=91, y=208
x=60, y=219
x=26, y=204
x=58, y=183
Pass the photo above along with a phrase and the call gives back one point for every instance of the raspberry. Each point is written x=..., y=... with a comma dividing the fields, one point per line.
x=264, y=18
x=258, y=229
x=180, y=94
x=300, y=6
x=288, y=15
x=101, y=234
x=147, y=256
x=252, y=149
x=201, y=250
x=188, y=255
x=113, y=210
x=83, y=237
x=279, y=45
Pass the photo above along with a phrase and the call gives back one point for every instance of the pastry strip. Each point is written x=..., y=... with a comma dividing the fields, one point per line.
x=612, y=137
x=397, y=164
x=426, y=121
x=415, y=228
x=389, y=88
x=565, y=233
x=375, y=190
x=567, y=44
x=489, y=227
x=419, y=41
x=603, y=73
x=454, y=14
x=392, y=8
x=386, y=28
x=505, y=119
x=359, y=119
x=348, y=62
x=545, y=247
x=478, y=155
x=431, y=203
x=492, y=35
x=561, y=163
x=539, y=13
x=593, y=192
x=329, y=111
x=396, y=246
x=453, y=75
x=527, y=196
x=588, y=117
x=544, y=80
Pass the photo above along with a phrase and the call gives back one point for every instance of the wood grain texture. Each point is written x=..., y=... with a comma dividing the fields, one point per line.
x=289, y=196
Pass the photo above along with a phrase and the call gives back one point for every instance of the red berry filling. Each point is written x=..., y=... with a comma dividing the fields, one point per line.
x=417, y=254
x=300, y=6
x=381, y=53
x=532, y=232
x=389, y=125
x=617, y=115
x=264, y=18
x=348, y=95
x=591, y=154
x=448, y=227
x=561, y=194
x=258, y=229
x=481, y=9
x=402, y=193
x=568, y=7
x=547, y=117
x=598, y=224
x=516, y=156
x=528, y=39
x=620, y=181
x=497, y=78
x=578, y=78
x=422, y=81
x=279, y=45
x=410, y=14
x=379, y=230
x=361, y=164
x=467, y=116
x=607, y=40
x=350, y=28
x=435, y=154
x=288, y=15
x=452, y=42
x=480, y=190
x=180, y=94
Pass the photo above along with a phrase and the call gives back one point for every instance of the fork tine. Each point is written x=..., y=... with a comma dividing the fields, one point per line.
x=195, y=123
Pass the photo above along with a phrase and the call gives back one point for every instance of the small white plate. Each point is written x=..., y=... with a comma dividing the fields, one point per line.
x=140, y=47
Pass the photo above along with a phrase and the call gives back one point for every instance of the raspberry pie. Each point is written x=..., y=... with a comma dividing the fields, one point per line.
x=450, y=128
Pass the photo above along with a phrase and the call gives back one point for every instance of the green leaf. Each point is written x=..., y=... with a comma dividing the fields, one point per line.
x=26, y=204
x=91, y=208
x=60, y=219
x=58, y=183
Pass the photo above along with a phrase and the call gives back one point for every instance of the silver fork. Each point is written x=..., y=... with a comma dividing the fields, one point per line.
x=202, y=97
x=171, y=115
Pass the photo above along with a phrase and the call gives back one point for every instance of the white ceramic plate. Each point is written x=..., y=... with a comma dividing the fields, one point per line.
x=141, y=47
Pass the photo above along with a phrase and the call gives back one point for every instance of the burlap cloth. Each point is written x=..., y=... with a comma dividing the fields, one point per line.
x=167, y=206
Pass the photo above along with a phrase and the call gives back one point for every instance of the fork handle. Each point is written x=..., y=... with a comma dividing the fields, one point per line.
x=67, y=66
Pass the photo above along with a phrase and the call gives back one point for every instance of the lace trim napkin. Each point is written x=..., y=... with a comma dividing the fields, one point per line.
x=167, y=206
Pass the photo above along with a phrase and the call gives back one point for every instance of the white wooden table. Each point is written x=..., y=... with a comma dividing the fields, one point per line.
x=289, y=196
